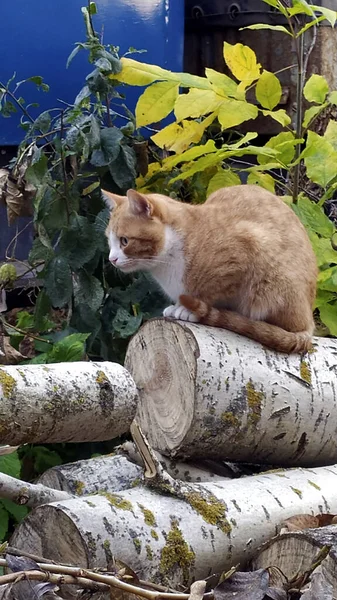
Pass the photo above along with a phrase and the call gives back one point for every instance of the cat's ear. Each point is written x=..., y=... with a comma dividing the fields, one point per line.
x=139, y=204
x=112, y=200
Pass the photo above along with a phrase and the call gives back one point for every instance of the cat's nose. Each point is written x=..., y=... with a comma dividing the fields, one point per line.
x=114, y=261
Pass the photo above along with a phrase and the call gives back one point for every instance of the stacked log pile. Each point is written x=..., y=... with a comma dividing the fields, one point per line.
x=183, y=502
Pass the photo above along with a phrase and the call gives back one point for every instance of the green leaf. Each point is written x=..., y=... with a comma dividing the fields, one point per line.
x=327, y=279
x=235, y=112
x=39, y=252
x=123, y=169
x=92, y=8
x=124, y=324
x=37, y=170
x=333, y=97
x=88, y=290
x=83, y=94
x=312, y=112
x=44, y=458
x=69, y=349
x=156, y=102
x=43, y=121
x=78, y=242
x=223, y=178
x=58, y=281
x=316, y=89
x=313, y=217
x=10, y=464
x=301, y=7
x=110, y=146
x=284, y=143
x=323, y=297
x=42, y=309
x=52, y=211
x=263, y=180
x=328, y=14
x=268, y=90
x=16, y=511
x=3, y=522
x=320, y=159
x=24, y=320
x=73, y=54
x=331, y=134
x=328, y=314
x=95, y=133
x=280, y=116
x=323, y=249
x=312, y=23
x=266, y=26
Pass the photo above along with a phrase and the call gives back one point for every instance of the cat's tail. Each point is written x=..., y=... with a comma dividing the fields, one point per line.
x=269, y=335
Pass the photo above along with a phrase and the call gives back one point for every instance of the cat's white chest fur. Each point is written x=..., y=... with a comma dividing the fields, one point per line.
x=170, y=269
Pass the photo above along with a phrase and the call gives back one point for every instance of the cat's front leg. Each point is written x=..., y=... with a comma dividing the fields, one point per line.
x=177, y=311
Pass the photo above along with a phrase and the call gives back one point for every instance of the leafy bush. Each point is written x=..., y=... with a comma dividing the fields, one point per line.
x=64, y=156
x=204, y=165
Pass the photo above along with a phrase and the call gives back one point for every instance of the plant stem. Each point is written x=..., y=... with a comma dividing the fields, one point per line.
x=64, y=170
x=299, y=115
x=23, y=109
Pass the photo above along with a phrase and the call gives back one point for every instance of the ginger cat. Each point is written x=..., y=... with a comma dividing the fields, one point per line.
x=241, y=261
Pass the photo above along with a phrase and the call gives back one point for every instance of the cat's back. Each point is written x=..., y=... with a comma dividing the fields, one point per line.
x=247, y=201
x=242, y=205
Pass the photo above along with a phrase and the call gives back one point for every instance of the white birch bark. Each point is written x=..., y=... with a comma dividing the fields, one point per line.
x=172, y=540
x=185, y=471
x=96, y=475
x=65, y=402
x=211, y=393
x=28, y=494
x=295, y=552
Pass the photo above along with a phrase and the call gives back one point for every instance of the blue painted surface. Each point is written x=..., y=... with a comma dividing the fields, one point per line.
x=37, y=37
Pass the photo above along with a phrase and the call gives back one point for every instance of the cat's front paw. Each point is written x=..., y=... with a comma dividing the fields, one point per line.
x=176, y=311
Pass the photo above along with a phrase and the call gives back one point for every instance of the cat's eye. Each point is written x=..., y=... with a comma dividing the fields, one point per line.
x=123, y=241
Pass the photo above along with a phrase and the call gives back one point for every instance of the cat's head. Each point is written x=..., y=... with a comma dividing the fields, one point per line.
x=136, y=231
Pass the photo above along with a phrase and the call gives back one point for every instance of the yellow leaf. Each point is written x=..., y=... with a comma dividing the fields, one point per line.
x=263, y=180
x=268, y=90
x=316, y=89
x=241, y=60
x=196, y=103
x=223, y=178
x=137, y=73
x=278, y=115
x=177, y=138
x=331, y=134
x=235, y=112
x=221, y=83
x=156, y=102
x=191, y=154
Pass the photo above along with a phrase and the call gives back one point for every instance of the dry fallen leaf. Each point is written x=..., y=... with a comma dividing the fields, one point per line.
x=8, y=354
x=300, y=522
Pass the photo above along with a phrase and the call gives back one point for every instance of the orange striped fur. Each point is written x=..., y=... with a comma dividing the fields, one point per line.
x=241, y=261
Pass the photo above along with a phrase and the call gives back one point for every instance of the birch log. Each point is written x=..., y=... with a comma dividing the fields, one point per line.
x=96, y=475
x=172, y=540
x=211, y=393
x=295, y=552
x=65, y=402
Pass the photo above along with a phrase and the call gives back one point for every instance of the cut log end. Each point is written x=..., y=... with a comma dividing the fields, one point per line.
x=294, y=553
x=166, y=402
